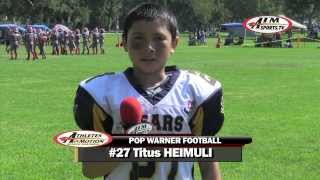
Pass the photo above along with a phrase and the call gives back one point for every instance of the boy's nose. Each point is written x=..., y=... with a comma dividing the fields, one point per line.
x=150, y=47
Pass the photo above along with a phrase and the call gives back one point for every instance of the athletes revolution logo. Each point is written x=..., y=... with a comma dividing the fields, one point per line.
x=83, y=138
x=267, y=24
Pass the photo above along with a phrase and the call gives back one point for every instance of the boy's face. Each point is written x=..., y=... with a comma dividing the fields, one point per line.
x=149, y=44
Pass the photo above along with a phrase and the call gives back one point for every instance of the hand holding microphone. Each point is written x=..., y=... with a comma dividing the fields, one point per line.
x=131, y=113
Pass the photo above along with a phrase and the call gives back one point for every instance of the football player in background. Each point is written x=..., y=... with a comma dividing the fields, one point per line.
x=14, y=41
x=7, y=39
x=85, y=40
x=175, y=101
x=36, y=37
x=42, y=40
x=30, y=43
x=65, y=42
x=61, y=39
x=95, y=40
x=55, y=42
x=71, y=44
x=77, y=41
x=101, y=40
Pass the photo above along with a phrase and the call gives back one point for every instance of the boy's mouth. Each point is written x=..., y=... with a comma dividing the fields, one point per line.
x=148, y=60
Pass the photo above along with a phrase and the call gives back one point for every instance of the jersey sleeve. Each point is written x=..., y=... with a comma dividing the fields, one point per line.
x=209, y=116
x=89, y=115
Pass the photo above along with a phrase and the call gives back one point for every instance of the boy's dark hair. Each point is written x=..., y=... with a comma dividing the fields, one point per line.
x=150, y=12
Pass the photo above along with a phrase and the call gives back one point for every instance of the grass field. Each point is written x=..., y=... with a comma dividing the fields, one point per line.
x=271, y=95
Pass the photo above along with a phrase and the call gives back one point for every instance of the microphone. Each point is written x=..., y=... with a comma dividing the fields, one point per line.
x=131, y=113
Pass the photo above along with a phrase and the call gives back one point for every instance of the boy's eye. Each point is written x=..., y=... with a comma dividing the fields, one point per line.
x=160, y=38
x=138, y=38
x=137, y=43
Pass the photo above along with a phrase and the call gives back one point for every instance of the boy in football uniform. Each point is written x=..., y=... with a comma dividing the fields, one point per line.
x=71, y=41
x=61, y=41
x=14, y=39
x=36, y=37
x=55, y=42
x=7, y=39
x=85, y=40
x=77, y=41
x=95, y=40
x=30, y=43
x=65, y=42
x=42, y=40
x=101, y=40
x=174, y=101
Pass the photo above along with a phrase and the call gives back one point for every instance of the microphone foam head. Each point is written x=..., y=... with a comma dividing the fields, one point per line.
x=130, y=111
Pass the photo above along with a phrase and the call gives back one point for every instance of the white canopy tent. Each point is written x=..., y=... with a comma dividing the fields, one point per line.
x=295, y=24
x=61, y=27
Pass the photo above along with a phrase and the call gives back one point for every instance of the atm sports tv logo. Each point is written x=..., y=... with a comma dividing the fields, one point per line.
x=267, y=24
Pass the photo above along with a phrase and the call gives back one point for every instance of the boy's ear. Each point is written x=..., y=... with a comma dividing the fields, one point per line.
x=175, y=43
x=125, y=45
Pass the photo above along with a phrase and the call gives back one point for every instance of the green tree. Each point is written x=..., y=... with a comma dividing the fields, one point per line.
x=302, y=9
x=203, y=10
x=269, y=7
x=239, y=10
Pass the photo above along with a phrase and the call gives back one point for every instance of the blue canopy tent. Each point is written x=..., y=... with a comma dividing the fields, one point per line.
x=236, y=29
x=231, y=25
x=8, y=26
x=5, y=27
x=41, y=26
x=38, y=26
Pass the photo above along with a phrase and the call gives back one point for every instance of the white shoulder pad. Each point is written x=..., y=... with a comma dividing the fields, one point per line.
x=100, y=86
x=201, y=85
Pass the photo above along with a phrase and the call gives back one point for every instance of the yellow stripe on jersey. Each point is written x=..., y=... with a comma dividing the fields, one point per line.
x=89, y=115
x=206, y=77
x=198, y=122
x=98, y=117
x=76, y=154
